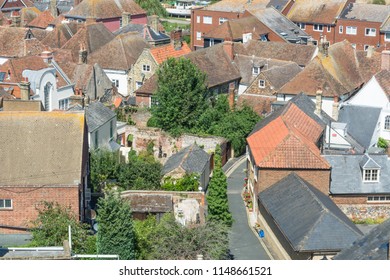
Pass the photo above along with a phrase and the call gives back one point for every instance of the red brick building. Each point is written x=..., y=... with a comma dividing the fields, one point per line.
x=360, y=24
x=44, y=158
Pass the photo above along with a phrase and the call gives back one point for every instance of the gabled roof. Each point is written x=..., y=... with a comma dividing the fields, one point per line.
x=308, y=219
x=61, y=34
x=120, y=53
x=145, y=31
x=347, y=175
x=97, y=115
x=52, y=154
x=42, y=20
x=372, y=246
x=383, y=79
x=361, y=122
x=105, y=9
x=368, y=162
x=366, y=12
x=300, y=54
x=278, y=76
x=318, y=11
x=280, y=144
x=192, y=159
x=162, y=53
x=28, y=14
x=238, y=6
x=235, y=29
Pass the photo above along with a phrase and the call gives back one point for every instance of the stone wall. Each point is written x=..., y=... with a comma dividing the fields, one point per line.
x=366, y=211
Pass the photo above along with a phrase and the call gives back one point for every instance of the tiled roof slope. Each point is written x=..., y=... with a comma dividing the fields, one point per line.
x=309, y=219
x=366, y=12
x=61, y=34
x=236, y=5
x=42, y=20
x=120, y=53
x=52, y=154
x=97, y=115
x=105, y=8
x=160, y=54
x=316, y=11
x=383, y=78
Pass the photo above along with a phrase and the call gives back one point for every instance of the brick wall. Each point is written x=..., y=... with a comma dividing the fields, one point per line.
x=26, y=199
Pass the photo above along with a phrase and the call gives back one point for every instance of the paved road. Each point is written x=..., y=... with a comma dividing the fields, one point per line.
x=243, y=244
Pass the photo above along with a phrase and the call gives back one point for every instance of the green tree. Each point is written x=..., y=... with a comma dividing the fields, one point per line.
x=51, y=229
x=182, y=95
x=153, y=7
x=217, y=200
x=116, y=231
x=189, y=183
x=104, y=165
x=144, y=230
x=382, y=143
x=379, y=2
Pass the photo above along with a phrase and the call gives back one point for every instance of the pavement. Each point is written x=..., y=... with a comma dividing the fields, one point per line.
x=244, y=244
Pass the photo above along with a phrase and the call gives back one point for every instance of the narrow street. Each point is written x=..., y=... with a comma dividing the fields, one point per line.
x=243, y=243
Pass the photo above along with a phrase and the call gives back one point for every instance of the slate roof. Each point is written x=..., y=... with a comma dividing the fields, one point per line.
x=238, y=6
x=53, y=152
x=120, y=53
x=278, y=4
x=42, y=20
x=145, y=31
x=62, y=6
x=97, y=115
x=308, y=219
x=91, y=36
x=366, y=12
x=319, y=11
x=346, y=175
x=162, y=53
x=101, y=9
x=192, y=159
x=280, y=24
x=361, y=122
x=383, y=79
x=372, y=246
x=300, y=54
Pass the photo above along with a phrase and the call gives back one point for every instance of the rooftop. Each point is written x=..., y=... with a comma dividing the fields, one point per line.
x=238, y=6
x=97, y=115
x=366, y=12
x=162, y=53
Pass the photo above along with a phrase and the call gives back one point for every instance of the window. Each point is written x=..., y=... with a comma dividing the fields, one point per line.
x=329, y=28
x=47, y=91
x=255, y=70
x=261, y=83
x=387, y=36
x=63, y=104
x=351, y=30
x=207, y=20
x=198, y=36
x=197, y=19
x=341, y=29
x=146, y=68
x=366, y=47
x=115, y=82
x=222, y=20
x=318, y=27
x=211, y=42
x=138, y=85
x=5, y=203
x=379, y=198
x=301, y=25
x=370, y=175
x=370, y=32
x=387, y=123
x=353, y=46
x=111, y=128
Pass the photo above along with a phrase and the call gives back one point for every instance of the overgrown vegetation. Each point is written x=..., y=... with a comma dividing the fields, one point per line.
x=369, y=221
x=382, y=143
x=153, y=7
x=379, y=2
x=188, y=183
x=186, y=105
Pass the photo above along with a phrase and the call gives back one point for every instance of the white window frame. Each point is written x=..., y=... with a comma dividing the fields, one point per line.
x=198, y=36
x=197, y=19
x=207, y=20
x=255, y=70
x=320, y=27
x=351, y=30
x=115, y=82
x=378, y=199
x=387, y=36
x=145, y=68
x=387, y=123
x=370, y=174
x=138, y=84
x=371, y=32
x=301, y=25
x=3, y=204
x=261, y=83
x=212, y=42
x=222, y=20
x=255, y=171
x=328, y=28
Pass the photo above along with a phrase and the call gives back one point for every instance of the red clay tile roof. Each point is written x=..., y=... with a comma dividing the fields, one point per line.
x=316, y=11
x=61, y=34
x=42, y=20
x=280, y=145
x=237, y=5
x=383, y=78
x=29, y=14
x=118, y=101
x=106, y=8
x=160, y=54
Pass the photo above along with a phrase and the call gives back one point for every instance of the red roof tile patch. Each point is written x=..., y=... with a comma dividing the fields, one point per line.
x=42, y=20
x=162, y=53
x=117, y=102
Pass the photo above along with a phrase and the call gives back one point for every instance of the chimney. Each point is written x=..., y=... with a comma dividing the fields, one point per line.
x=76, y=100
x=83, y=54
x=126, y=18
x=231, y=96
x=16, y=19
x=24, y=89
x=228, y=48
x=47, y=56
x=385, y=62
x=176, y=39
x=318, y=102
x=324, y=46
x=154, y=20
x=335, y=108
x=53, y=8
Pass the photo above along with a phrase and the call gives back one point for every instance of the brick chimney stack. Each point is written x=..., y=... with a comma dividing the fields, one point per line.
x=318, y=102
x=177, y=39
x=16, y=19
x=385, y=61
x=335, y=108
x=83, y=54
x=126, y=18
x=228, y=48
x=53, y=8
x=231, y=96
x=24, y=89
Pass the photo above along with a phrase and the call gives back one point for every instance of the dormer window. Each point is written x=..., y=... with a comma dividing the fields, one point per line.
x=255, y=70
x=370, y=169
x=371, y=175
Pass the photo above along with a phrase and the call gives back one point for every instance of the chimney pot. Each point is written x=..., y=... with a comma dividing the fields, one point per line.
x=24, y=86
x=126, y=18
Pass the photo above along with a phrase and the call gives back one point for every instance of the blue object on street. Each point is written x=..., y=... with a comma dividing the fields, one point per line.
x=261, y=233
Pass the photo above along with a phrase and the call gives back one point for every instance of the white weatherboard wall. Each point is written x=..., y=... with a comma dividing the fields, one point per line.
x=121, y=76
x=371, y=95
x=104, y=136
